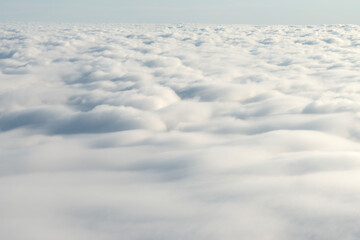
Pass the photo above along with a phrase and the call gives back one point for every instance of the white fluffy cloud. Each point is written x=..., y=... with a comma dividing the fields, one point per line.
x=179, y=132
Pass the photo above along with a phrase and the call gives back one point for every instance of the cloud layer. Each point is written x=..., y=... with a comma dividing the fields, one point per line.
x=179, y=132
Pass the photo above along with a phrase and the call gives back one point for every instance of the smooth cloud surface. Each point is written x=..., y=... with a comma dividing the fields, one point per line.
x=179, y=132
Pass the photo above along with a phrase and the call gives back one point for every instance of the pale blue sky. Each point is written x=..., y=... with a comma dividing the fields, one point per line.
x=176, y=11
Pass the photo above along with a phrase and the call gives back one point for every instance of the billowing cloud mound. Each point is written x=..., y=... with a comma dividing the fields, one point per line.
x=179, y=132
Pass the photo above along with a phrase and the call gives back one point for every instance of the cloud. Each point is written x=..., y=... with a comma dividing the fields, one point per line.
x=103, y=118
x=179, y=131
x=31, y=118
x=107, y=119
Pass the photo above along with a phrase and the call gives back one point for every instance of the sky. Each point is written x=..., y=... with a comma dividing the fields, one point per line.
x=184, y=11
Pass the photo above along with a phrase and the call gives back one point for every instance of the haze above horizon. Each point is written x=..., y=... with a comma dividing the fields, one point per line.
x=175, y=11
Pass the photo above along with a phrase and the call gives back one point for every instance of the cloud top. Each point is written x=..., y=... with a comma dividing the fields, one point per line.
x=179, y=131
